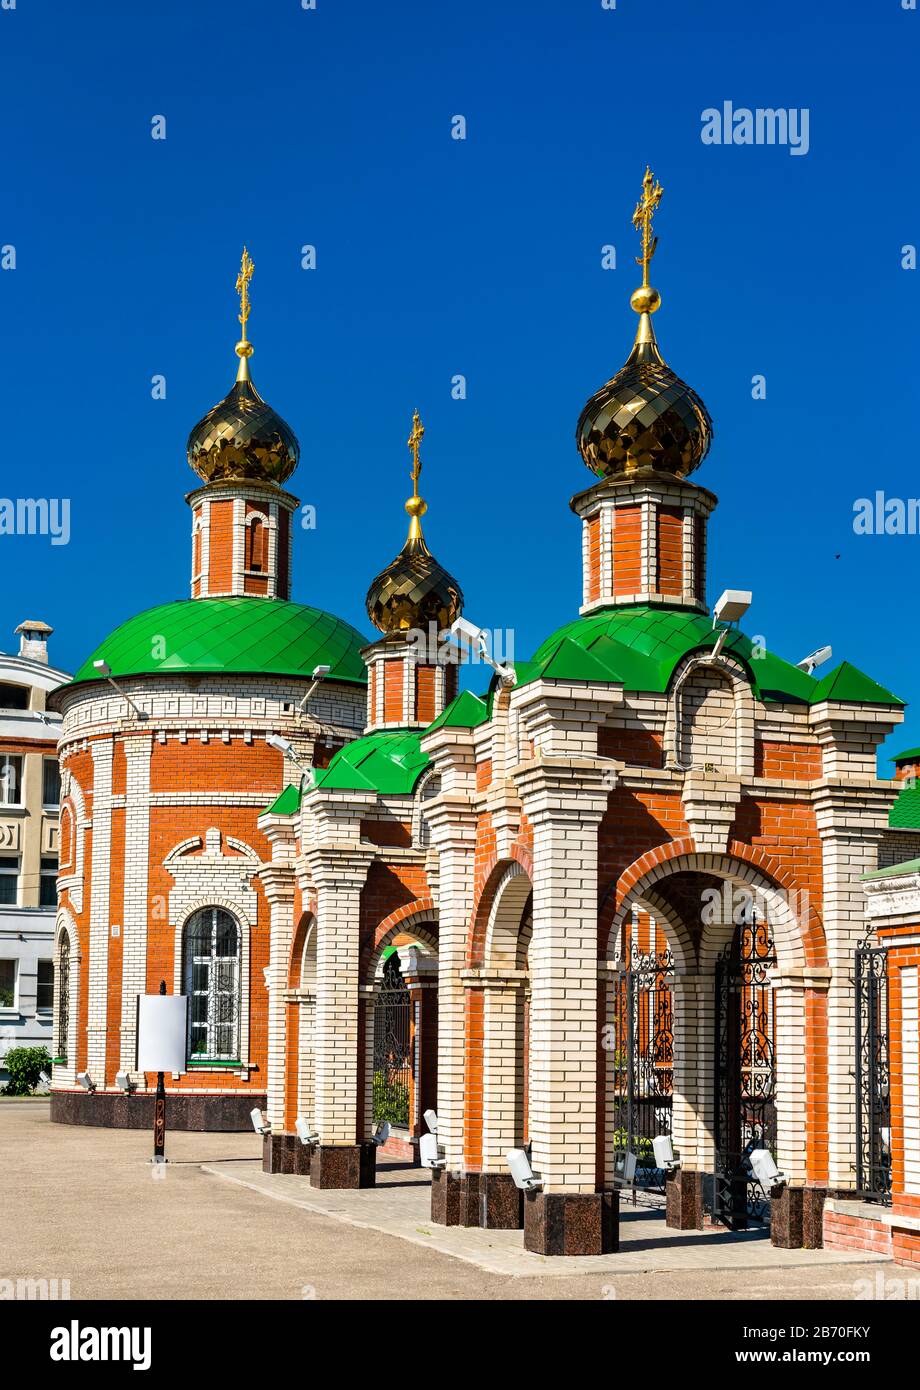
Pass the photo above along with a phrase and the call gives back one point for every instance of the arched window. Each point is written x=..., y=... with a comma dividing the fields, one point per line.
x=212, y=983
x=256, y=559
x=63, y=1018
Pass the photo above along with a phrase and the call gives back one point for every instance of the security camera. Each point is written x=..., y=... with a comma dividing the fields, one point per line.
x=524, y=1176
x=259, y=1122
x=818, y=658
x=320, y=671
x=765, y=1169
x=478, y=637
x=103, y=668
x=305, y=1131
x=382, y=1133
x=429, y=1152
x=431, y=1120
x=86, y=1081
x=123, y=1082
x=731, y=605
x=282, y=744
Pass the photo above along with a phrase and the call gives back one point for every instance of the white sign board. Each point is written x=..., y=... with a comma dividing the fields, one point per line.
x=162, y=1023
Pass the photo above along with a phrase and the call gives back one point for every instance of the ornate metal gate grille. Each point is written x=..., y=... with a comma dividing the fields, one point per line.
x=63, y=1025
x=873, y=1099
x=392, y=1050
x=643, y=1060
x=745, y=1072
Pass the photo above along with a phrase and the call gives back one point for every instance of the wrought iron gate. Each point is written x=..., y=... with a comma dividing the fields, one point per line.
x=873, y=1098
x=745, y=1072
x=392, y=1050
x=643, y=1060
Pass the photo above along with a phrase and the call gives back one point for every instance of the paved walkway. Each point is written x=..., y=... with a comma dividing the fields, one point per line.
x=81, y=1205
x=400, y=1206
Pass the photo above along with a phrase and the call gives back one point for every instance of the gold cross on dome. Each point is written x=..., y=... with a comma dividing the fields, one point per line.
x=414, y=442
x=642, y=220
x=247, y=266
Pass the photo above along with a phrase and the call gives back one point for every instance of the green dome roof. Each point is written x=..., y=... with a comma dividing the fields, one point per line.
x=241, y=635
x=640, y=645
x=389, y=761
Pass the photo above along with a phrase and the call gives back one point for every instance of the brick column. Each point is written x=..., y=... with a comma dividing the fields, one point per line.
x=851, y=822
x=564, y=800
x=278, y=882
x=452, y=820
x=343, y=1157
x=134, y=919
x=99, y=915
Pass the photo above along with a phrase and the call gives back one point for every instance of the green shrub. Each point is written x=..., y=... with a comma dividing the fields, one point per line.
x=25, y=1065
x=391, y=1100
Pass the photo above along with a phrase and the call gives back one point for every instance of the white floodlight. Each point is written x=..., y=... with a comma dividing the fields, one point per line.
x=429, y=1153
x=431, y=1120
x=319, y=674
x=382, y=1133
x=461, y=630
x=524, y=1176
x=663, y=1149
x=626, y=1169
x=105, y=672
x=731, y=605
x=287, y=748
x=765, y=1169
x=259, y=1122
x=123, y=1082
x=818, y=658
x=305, y=1131
x=86, y=1081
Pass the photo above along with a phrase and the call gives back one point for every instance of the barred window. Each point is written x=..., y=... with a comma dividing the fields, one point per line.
x=212, y=983
x=63, y=1018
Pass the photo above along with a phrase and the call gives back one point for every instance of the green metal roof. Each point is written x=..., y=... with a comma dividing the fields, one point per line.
x=905, y=813
x=639, y=646
x=465, y=711
x=893, y=870
x=251, y=635
x=389, y=762
x=286, y=804
x=902, y=757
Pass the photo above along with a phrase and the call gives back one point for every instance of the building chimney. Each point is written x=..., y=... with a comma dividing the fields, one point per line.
x=33, y=640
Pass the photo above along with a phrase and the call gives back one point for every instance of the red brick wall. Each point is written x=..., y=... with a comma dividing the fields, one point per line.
x=670, y=550
x=220, y=553
x=627, y=550
x=424, y=692
x=636, y=747
x=392, y=692
x=790, y=762
x=593, y=529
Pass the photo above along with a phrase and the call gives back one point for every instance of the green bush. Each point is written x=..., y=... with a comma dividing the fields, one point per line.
x=25, y=1065
x=391, y=1100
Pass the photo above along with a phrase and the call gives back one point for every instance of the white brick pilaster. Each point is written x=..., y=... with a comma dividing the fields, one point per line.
x=136, y=876
x=99, y=925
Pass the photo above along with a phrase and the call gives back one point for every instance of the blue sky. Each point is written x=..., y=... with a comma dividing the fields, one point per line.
x=480, y=257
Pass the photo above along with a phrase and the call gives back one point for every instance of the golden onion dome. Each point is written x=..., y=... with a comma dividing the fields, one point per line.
x=644, y=418
x=414, y=590
x=241, y=439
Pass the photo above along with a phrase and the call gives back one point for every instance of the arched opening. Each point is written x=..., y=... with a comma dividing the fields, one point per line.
x=392, y=1045
x=211, y=980
x=735, y=1017
x=399, y=1028
x=498, y=1013
x=256, y=546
